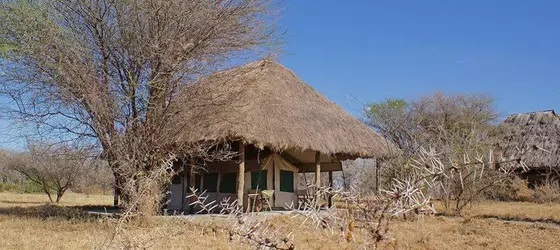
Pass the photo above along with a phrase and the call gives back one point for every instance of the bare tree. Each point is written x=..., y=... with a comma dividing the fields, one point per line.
x=459, y=128
x=8, y=175
x=463, y=181
x=54, y=168
x=111, y=71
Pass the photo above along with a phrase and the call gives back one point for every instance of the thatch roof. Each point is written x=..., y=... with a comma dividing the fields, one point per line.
x=533, y=137
x=265, y=104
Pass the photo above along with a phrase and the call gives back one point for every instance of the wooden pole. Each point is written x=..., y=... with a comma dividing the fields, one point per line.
x=317, y=174
x=330, y=185
x=241, y=174
x=116, y=192
x=183, y=179
x=377, y=175
x=192, y=180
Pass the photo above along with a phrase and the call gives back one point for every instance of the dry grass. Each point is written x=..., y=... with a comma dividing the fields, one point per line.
x=516, y=210
x=69, y=199
x=27, y=222
x=466, y=233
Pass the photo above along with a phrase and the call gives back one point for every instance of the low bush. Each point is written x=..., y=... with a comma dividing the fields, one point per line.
x=28, y=187
x=517, y=189
x=547, y=193
x=512, y=189
x=10, y=187
x=32, y=187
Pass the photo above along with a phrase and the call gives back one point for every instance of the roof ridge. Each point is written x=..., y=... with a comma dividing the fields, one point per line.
x=536, y=112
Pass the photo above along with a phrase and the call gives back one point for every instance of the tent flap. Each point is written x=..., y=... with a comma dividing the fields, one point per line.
x=279, y=162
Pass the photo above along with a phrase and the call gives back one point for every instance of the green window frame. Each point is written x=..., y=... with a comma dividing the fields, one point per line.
x=286, y=181
x=197, y=182
x=210, y=183
x=177, y=179
x=228, y=183
x=259, y=179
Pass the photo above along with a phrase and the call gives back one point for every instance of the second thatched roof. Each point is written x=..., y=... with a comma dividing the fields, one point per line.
x=532, y=137
x=265, y=104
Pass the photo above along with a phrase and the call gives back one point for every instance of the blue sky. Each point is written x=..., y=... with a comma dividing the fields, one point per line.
x=365, y=51
x=356, y=52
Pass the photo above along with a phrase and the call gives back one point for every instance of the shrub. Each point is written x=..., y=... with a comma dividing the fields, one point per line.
x=547, y=192
x=10, y=187
x=32, y=187
x=512, y=189
x=521, y=190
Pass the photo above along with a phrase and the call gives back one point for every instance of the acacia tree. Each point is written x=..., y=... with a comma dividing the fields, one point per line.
x=394, y=119
x=111, y=70
x=54, y=168
x=456, y=132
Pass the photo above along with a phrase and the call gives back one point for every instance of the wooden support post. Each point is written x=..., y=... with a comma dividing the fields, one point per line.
x=330, y=185
x=241, y=174
x=116, y=192
x=317, y=174
x=183, y=179
x=192, y=180
x=377, y=165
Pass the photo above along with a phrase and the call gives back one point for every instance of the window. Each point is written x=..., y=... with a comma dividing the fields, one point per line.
x=176, y=179
x=258, y=179
x=210, y=182
x=286, y=181
x=229, y=181
x=197, y=181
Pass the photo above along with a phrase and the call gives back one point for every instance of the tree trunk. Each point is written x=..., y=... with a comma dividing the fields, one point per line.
x=48, y=194
x=115, y=191
x=59, y=195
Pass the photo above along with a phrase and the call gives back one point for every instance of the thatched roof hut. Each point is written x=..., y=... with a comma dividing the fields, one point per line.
x=532, y=137
x=267, y=105
x=280, y=127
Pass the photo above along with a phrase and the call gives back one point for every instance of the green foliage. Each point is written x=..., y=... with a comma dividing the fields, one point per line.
x=27, y=28
x=392, y=118
x=6, y=47
x=377, y=109
x=32, y=187
x=27, y=187
x=9, y=187
x=380, y=114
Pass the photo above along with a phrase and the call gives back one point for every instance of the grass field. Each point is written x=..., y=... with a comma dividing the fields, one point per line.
x=27, y=221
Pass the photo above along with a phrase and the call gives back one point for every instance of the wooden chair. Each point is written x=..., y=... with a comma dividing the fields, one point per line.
x=267, y=196
x=258, y=200
x=304, y=196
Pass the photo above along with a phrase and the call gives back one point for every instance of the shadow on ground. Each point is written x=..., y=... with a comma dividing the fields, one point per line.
x=50, y=211
x=22, y=202
x=518, y=219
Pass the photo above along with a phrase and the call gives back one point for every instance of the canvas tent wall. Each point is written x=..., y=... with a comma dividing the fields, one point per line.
x=280, y=176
